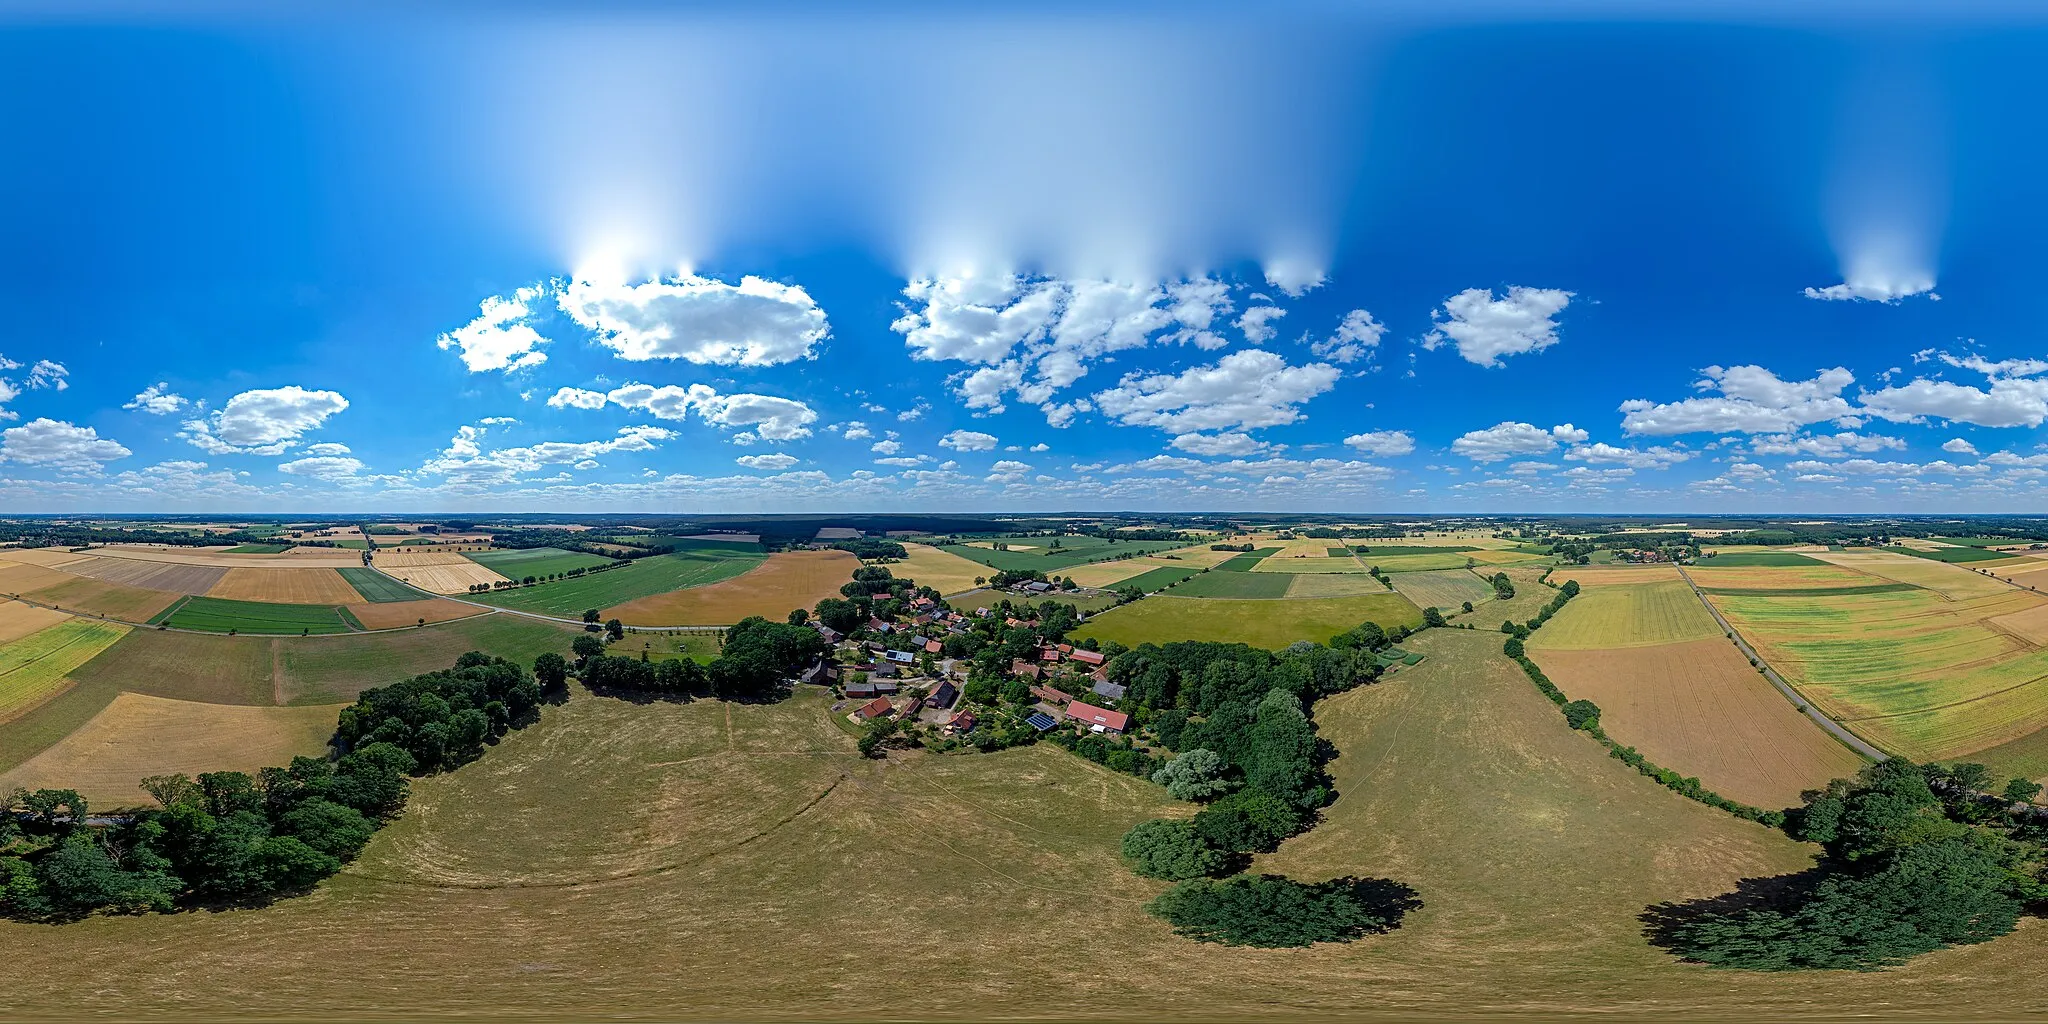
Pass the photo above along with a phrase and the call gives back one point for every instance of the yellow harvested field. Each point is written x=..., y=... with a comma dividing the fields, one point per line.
x=447, y=578
x=18, y=620
x=1611, y=576
x=137, y=736
x=1943, y=578
x=47, y=557
x=1780, y=577
x=94, y=597
x=942, y=571
x=392, y=614
x=391, y=558
x=2026, y=576
x=285, y=586
x=1699, y=709
x=1503, y=557
x=17, y=578
x=1103, y=574
x=331, y=557
x=1008, y=545
x=786, y=581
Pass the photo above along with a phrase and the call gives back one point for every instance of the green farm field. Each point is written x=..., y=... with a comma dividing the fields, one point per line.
x=1741, y=559
x=644, y=577
x=1246, y=561
x=334, y=669
x=519, y=563
x=34, y=668
x=1911, y=671
x=1271, y=624
x=1958, y=554
x=1447, y=589
x=216, y=615
x=1154, y=579
x=1637, y=615
x=1533, y=854
x=377, y=587
x=258, y=549
x=1223, y=583
x=1072, y=551
x=1417, y=563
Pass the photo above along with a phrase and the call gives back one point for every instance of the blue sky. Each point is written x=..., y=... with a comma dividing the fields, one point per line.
x=630, y=258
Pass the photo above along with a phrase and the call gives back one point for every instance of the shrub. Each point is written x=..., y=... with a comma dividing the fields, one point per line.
x=1274, y=912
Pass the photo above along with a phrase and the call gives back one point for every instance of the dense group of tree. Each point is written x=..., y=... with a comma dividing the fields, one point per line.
x=873, y=593
x=754, y=663
x=872, y=549
x=1272, y=911
x=229, y=838
x=1920, y=857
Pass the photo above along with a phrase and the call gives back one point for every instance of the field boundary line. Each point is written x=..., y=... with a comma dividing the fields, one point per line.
x=1834, y=728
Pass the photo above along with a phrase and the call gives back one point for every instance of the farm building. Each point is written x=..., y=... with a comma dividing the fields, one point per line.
x=1101, y=718
x=1050, y=695
x=1105, y=688
x=961, y=722
x=863, y=688
x=1088, y=657
x=942, y=695
x=1040, y=721
x=877, y=708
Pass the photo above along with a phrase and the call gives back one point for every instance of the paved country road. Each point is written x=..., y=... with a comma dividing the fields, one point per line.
x=1837, y=729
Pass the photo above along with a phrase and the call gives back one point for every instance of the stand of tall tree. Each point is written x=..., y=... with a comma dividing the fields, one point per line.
x=230, y=838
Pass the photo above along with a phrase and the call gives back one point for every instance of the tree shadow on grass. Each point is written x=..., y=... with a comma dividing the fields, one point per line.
x=1388, y=900
x=1663, y=923
x=632, y=695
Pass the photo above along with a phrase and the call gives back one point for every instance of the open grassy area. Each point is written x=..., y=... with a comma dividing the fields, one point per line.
x=377, y=587
x=1245, y=561
x=1912, y=672
x=1736, y=559
x=34, y=668
x=643, y=577
x=1366, y=548
x=1420, y=563
x=519, y=563
x=1641, y=615
x=1271, y=624
x=215, y=615
x=1220, y=582
x=327, y=670
x=1038, y=552
x=1447, y=589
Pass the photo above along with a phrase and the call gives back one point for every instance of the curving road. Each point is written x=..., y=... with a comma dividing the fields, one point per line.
x=1834, y=728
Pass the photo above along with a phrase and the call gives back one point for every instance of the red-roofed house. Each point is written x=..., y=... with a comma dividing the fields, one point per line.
x=962, y=722
x=1050, y=695
x=934, y=647
x=1024, y=668
x=1088, y=657
x=877, y=708
x=1089, y=714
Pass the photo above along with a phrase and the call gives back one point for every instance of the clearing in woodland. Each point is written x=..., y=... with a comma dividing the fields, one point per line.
x=1260, y=623
x=1647, y=613
x=700, y=821
x=786, y=581
x=137, y=736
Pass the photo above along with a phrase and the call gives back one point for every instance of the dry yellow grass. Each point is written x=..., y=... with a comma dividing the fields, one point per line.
x=439, y=572
x=1503, y=557
x=138, y=736
x=1943, y=578
x=285, y=586
x=18, y=620
x=396, y=558
x=1781, y=577
x=1605, y=576
x=786, y=581
x=18, y=578
x=392, y=614
x=93, y=597
x=942, y=571
x=47, y=557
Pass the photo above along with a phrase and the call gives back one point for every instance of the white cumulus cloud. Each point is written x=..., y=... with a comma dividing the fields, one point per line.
x=263, y=422
x=1485, y=328
x=1354, y=340
x=777, y=461
x=1510, y=438
x=323, y=467
x=1220, y=444
x=577, y=398
x=156, y=400
x=62, y=445
x=1245, y=390
x=756, y=322
x=501, y=337
x=1753, y=400
x=968, y=441
x=1383, y=443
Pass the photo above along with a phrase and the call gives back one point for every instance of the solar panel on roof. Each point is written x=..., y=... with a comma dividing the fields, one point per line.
x=1040, y=722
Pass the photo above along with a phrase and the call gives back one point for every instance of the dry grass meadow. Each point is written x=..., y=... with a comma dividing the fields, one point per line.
x=712, y=861
x=138, y=736
x=1632, y=616
x=1614, y=575
x=785, y=581
x=285, y=586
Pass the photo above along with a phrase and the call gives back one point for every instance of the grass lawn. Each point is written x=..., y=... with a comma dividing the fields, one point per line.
x=215, y=615
x=519, y=563
x=1759, y=558
x=258, y=549
x=644, y=577
x=1220, y=582
x=377, y=587
x=1261, y=623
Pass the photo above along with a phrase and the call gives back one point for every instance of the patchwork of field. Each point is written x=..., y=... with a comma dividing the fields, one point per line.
x=33, y=669
x=20, y=577
x=643, y=577
x=284, y=586
x=1623, y=575
x=1038, y=553
x=1260, y=623
x=168, y=576
x=1635, y=616
x=1152, y=581
x=137, y=736
x=1331, y=584
x=1700, y=709
x=1912, y=671
x=1226, y=583
x=1419, y=563
x=216, y=615
x=940, y=570
x=519, y=563
x=375, y=586
x=1447, y=589
x=1244, y=561
x=784, y=582
x=1817, y=577
x=1949, y=580
x=18, y=620
x=438, y=572
x=1779, y=557
x=396, y=614
x=1505, y=557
